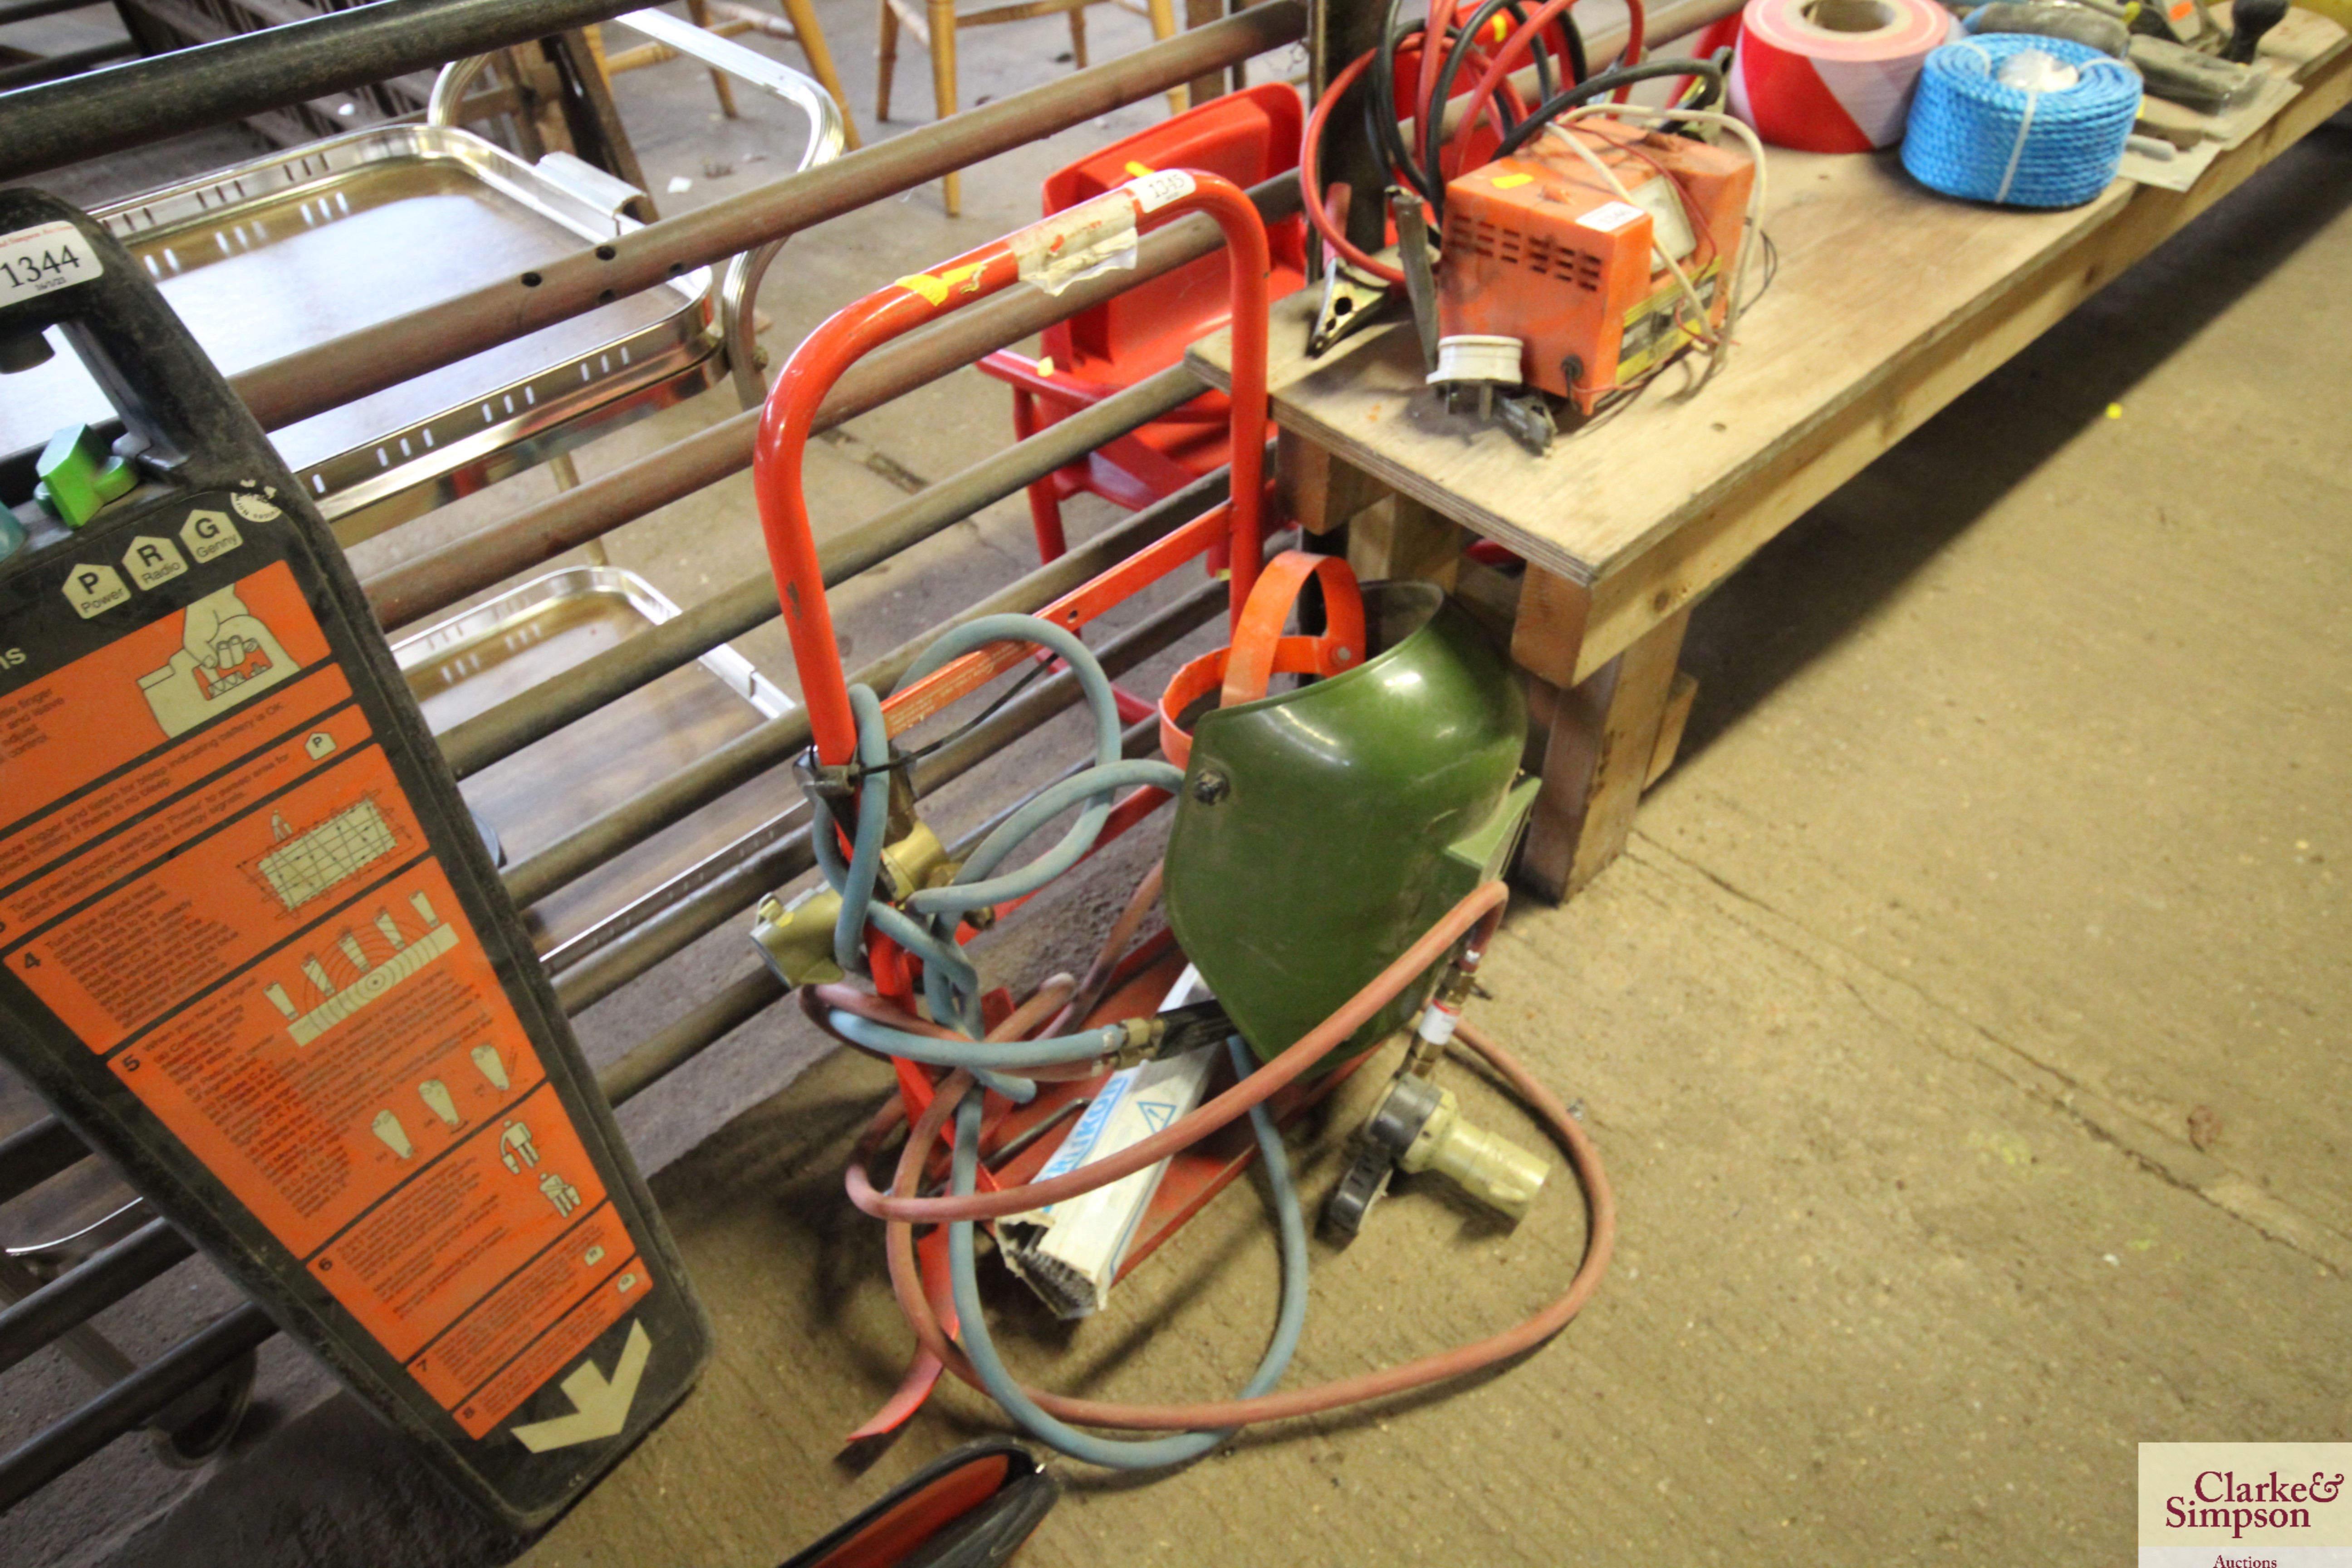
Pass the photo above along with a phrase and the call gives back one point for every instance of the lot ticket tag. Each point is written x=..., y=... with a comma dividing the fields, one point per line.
x=2245, y=1505
x=47, y=257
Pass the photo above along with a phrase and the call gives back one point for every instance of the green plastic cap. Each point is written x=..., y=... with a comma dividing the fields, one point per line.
x=78, y=476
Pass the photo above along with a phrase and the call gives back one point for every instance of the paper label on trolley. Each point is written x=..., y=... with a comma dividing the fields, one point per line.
x=1610, y=216
x=43, y=259
x=1091, y=238
x=1070, y=1252
x=1155, y=190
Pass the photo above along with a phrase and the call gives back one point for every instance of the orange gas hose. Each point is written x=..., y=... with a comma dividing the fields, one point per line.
x=1481, y=908
x=1600, y=1205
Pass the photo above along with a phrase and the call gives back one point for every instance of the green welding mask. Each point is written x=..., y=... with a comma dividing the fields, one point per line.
x=1321, y=831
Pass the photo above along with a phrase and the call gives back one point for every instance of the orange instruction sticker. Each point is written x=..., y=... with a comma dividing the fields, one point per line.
x=429, y=1252
x=211, y=874
x=102, y=809
x=311, y=1105
x=118, y=964
x=504, y=1325
x=66, y=730
x=498, y=1398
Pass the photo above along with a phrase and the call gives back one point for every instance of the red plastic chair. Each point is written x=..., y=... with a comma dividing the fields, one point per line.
x=1247, y=137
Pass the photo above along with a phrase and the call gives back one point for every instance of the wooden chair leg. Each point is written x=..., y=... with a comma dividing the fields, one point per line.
x=885, y=62
x=1199, y=14
x=943, y=84
x=1163, y=27
x=1077, y=16
x=811, y=38
x=699, y=12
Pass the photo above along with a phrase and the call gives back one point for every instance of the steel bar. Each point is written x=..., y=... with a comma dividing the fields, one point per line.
x=26, y=10
x=89, y=1288
x=774, y=865
x=73, y=62
x=135, y=1400
x=747, y=996
x=755, y=752
x=80, y=1344
x=188, y=90
x=736, y=1004
x=129, y=1405
x=403, y=347
x=513, y=724
x=31, y=1156
x=544, y=531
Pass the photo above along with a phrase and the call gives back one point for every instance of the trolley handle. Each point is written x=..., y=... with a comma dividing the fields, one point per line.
x=1094, y=236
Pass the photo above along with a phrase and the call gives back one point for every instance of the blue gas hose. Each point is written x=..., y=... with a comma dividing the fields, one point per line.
x=926, y=925
x=1145, y=1454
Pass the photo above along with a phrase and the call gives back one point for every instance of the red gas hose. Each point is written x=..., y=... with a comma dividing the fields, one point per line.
x=1601, y=1239
x=1481, y=908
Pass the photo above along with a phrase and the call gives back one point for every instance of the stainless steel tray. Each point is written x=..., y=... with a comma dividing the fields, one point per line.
x=307, y=246
x=484, y=656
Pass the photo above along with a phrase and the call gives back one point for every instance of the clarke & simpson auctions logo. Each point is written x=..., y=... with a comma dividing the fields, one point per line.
x=2205, y=1505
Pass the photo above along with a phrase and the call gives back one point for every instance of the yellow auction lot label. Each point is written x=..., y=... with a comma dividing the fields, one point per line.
x=2245, y=1505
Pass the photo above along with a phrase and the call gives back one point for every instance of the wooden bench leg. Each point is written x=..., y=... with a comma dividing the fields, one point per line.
x=1405, y=539
x=1604, y=735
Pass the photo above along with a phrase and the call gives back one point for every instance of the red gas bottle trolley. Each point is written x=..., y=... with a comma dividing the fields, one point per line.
x=1093, y=237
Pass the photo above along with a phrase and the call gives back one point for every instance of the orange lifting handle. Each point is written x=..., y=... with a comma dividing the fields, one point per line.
x=1260, y=652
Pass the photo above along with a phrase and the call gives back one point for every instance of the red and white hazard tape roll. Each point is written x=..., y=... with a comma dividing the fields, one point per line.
x=1832, y=76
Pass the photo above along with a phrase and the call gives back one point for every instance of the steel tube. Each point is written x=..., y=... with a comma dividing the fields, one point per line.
x=88, y=1288
x=736, y=1002
x=746, y=996
x=398, y=350
x=755, y=752
x=188, y=90
x=572, y=517
x=129, y=1405
x=73, y=62
x=34, y=1155
x=513, y=724
x=770, y=867
x=26, y=10
x=135, y=1400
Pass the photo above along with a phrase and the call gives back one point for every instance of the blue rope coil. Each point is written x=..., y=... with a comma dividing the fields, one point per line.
x=1973, y=134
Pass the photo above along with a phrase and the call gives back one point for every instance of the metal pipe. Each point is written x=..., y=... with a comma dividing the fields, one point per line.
x=33, y=1154
x=73, y=62
x=572, y=517
x=188, y=90
x=774, y=864
x=26, y=10
x=332, y=373
x=129, y=1404
x=515, y=724
x=88, y=1288
x=755, y=752
x=139, y=1397
x=736, y=1002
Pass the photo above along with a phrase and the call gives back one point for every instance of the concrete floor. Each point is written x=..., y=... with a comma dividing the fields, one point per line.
x=1963, y=1029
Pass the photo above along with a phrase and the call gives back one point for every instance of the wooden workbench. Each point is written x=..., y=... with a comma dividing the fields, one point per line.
x=1888, y=302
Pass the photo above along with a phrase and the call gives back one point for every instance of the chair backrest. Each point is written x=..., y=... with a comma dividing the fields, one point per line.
x=1247, y=137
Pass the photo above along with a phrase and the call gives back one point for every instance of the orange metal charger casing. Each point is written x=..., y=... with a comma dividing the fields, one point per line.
x=1538, y=248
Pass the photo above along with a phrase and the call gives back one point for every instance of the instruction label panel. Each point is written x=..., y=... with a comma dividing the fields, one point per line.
x=210, y=874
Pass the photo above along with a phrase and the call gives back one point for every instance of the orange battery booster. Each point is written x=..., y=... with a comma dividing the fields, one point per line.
x=1539, y=249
